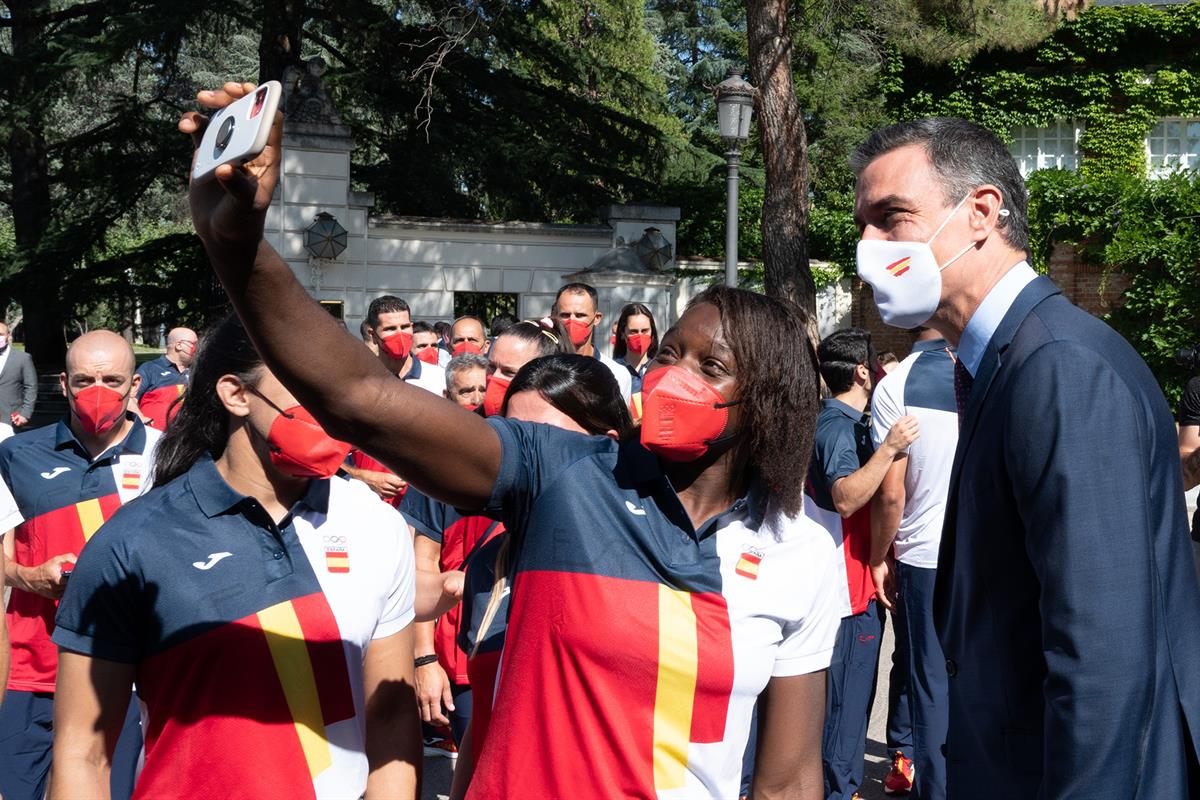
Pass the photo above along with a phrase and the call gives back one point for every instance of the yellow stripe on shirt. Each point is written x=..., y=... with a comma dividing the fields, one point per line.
x=289, y=651
x=676, y=690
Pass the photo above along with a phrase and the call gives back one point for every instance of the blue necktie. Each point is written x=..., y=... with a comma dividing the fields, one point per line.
x=962, y=390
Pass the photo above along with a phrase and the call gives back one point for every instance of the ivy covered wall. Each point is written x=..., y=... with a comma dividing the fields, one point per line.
x=1118, y=71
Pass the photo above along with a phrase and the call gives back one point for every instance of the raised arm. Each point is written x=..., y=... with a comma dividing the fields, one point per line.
x=455, y=454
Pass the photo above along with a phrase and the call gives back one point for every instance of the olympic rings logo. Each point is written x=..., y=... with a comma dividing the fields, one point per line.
x=333, y=539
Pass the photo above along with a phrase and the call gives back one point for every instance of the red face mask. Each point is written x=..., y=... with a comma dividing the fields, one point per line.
x=397, y=345
x=301, y=447
x=466, y=347
x=637, y=343
x=682, y=416
x=579, y=332
x=429, y=355
x=493, y=398
x=98, y=408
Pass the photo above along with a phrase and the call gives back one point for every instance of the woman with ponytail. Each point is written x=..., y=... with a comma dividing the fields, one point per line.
x=264, y=606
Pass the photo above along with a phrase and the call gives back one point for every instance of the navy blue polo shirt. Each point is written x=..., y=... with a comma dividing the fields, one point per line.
x=842, y=445
x=56, y=496
x=635, y=375
x=245, y=632
x=626, y=621
x=162, y=384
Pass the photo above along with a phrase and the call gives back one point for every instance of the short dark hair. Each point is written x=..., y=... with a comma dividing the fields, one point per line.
x=387, y=304
x=840, y=353
x=888, y=358
x=634, y=310
x=364, y=330
x=422, y=327
x=502, y=322
x=578, y=288
x=778, y=387
x=442, y=329
x=580, y=387
x=964, y=155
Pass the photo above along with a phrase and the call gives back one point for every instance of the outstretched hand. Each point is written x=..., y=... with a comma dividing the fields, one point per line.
x=229, y=211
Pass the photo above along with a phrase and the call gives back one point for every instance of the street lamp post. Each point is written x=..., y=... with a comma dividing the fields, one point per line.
x=735, y=107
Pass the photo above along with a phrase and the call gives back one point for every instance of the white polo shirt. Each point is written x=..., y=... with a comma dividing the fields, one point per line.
x=429, y=377
x=921, y=386
x=624, y=382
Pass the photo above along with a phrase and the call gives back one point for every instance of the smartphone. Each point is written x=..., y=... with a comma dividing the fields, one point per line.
x=238, y=132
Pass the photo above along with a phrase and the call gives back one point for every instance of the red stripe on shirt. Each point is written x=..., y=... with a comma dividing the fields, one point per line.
x=328, y=657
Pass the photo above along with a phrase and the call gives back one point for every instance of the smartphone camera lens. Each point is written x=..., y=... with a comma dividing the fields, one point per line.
x=224, y=134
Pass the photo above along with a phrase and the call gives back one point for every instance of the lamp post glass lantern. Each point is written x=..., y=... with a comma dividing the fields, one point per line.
x=735, y=108
x=325, y=238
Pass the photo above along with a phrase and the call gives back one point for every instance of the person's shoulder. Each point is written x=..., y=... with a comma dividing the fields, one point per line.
x=37, y=439
x=19, y=356
x=355, y=497
x=562, y=446
x=799, y=534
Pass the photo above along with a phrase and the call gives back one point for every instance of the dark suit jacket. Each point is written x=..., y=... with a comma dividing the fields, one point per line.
x=1067, y=603
x=18, y=385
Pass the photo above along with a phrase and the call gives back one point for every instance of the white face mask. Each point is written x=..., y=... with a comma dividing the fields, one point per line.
x=905, y=276
x=3, y=342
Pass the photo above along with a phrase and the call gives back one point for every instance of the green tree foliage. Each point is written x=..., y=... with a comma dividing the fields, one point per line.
x=91, y=93
x=1147, y=230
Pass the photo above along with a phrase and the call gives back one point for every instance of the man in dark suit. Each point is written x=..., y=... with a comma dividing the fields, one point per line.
x=1065, y=601
x=18, y=382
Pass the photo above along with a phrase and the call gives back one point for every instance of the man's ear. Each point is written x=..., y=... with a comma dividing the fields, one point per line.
x=62, y=382
x=984, y=208
x=135, y=384
x=487, y=346
x=446, y=393
x=599, y=316
x=862, y=373
x=234, y=395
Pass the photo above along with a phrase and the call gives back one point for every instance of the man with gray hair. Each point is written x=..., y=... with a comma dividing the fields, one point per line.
x=466, y=380
x=1065, y=527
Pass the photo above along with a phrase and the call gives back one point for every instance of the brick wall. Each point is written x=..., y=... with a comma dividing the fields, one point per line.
x=1092, y=288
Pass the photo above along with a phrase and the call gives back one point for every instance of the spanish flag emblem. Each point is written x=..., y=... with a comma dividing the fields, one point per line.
x=131, y=479
x=747, y=565
x=898, y=268
x=337, y=559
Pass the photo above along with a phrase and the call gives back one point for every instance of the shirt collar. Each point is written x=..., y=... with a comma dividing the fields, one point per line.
x=844, y=408
x=414, y=371
x=134, y=441
x=215, y=496
x=983, y=323
x=930, y=344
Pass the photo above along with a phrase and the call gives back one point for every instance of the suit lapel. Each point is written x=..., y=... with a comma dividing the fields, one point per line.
x=993, y=358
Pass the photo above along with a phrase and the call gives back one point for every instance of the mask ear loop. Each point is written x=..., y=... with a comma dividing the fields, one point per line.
x=268, y=402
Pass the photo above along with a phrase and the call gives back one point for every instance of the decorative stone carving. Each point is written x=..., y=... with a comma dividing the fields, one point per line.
x=305, y=98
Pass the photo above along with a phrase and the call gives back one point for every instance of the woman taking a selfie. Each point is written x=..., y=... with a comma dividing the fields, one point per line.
x=660, y=585
x=264, y=609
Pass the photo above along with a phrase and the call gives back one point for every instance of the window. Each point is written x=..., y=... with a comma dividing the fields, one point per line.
x=485, y=305
x=1173, y=144
x=1056, y=145
x=336, y=308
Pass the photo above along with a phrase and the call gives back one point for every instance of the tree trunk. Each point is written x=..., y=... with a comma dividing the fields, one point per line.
x=279, y=44
x=37, y=285
x=785, y=155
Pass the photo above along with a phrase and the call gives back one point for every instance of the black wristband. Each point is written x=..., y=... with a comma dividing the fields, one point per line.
x=421, y=661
